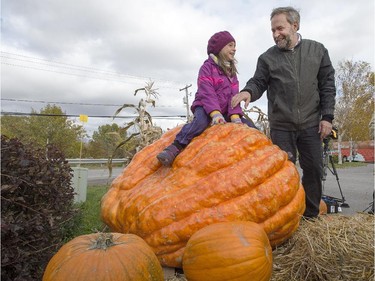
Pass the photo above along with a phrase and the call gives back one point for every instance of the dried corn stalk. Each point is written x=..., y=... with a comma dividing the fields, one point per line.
x=141, y=126
x=262, y=119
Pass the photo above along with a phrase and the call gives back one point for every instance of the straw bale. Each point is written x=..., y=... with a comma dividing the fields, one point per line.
x=331, y=248
x=176, y=278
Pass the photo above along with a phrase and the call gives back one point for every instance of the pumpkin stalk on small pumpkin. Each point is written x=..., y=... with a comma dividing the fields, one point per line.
x=111, y=256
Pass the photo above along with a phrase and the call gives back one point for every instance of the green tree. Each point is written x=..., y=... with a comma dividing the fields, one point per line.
x=355, y=100
x=49, y=126
x=104, y=142
x=14, y=127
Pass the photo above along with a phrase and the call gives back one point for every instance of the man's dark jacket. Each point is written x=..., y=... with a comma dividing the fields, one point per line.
x=300, y=85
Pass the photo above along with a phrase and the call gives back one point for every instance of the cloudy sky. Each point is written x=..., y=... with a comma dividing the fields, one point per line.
x=89, y=56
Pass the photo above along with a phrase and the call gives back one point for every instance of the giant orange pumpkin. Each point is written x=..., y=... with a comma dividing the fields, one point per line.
x=229, y=173
x=228, y=251
x=104, y=257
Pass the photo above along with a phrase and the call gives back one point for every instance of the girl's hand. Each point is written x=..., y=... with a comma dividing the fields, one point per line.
x=218, y=118
x=235, y=118
x=236, y=121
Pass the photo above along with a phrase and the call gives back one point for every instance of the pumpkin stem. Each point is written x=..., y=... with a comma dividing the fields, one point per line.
x=104, y=241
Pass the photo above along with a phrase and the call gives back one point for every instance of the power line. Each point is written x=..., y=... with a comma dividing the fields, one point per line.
x=71, y=103
x=3, y=113
x=64, y=68
x=72, y=74
x=76, y=67
x=65, y=65
x=186, y=100
x=58, y=102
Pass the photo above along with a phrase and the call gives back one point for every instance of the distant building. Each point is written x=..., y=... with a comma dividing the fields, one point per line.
x=365, y=148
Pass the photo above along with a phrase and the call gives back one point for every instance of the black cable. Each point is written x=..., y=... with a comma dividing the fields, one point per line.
x=3, y=113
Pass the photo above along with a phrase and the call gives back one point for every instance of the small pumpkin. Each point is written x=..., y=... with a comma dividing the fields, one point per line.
x=104, y=256
x=224, y=251
x=229, y=173
x=323, y=207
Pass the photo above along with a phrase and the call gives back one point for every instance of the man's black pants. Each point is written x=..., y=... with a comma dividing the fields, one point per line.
x=309, y=147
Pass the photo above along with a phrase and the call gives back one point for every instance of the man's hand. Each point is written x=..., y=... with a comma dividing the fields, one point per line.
x=217, y=118
x=241, y=96
x=325, y=129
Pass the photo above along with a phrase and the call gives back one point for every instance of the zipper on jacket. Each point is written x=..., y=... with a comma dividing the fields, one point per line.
x=294, y=53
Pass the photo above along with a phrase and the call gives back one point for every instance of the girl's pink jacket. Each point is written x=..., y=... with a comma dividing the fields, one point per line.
x=215, y=90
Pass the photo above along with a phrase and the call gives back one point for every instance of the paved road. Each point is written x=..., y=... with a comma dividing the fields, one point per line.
x=357, y=185
x=101, y=176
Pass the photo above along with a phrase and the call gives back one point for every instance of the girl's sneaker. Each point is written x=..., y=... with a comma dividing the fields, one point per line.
x=167, y=156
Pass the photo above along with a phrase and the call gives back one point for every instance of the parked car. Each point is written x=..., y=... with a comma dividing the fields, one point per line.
x=358, y=157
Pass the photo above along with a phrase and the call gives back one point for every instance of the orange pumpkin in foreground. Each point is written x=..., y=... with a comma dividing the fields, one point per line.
x=225, y=251
x=229, y=173
x=104, y=256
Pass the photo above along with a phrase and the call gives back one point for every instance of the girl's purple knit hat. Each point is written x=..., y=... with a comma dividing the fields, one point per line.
x=218, y=41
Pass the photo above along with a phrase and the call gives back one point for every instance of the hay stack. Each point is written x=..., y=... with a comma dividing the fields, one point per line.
x=333, y=247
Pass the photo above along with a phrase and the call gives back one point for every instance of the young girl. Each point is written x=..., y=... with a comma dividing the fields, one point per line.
x=217, y=84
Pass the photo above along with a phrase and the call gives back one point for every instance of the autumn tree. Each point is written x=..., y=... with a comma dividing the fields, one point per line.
x=355, y=100
x=49, y=126
x=354, y=103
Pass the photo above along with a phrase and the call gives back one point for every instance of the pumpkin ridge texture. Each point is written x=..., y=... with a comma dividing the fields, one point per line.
x=213, y=197
x=104, y=256
x=229, y=173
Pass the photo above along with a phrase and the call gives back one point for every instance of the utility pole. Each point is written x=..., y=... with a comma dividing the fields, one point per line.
x=186, y=101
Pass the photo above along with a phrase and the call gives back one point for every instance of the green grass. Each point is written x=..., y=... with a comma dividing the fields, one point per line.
x=349, y=164
x=88, y=220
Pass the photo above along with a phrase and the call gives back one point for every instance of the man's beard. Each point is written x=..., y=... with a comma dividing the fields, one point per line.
x=284, y=43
